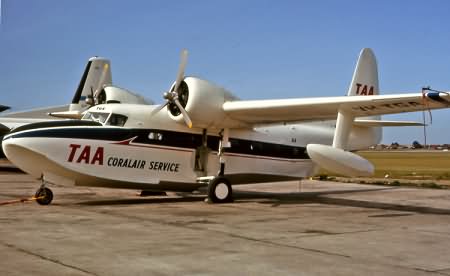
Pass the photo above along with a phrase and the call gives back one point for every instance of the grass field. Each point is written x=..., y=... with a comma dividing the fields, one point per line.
x=415, y=164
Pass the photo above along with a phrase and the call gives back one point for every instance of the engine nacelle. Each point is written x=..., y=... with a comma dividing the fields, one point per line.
x=203, y=102
x=114, y=94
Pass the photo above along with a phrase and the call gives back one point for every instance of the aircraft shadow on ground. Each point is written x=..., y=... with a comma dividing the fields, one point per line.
x=286, y=198
x=278, y=199
x=145, y=200
x=239, y=196
x=9, y=169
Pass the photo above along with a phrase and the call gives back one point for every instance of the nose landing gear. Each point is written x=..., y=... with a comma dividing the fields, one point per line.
x=44, y=195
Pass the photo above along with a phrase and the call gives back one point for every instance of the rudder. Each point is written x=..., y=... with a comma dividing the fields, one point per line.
x=365, y=76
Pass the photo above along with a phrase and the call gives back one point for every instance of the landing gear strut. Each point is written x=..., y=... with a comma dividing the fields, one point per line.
x=219, y=188
x=44, y=195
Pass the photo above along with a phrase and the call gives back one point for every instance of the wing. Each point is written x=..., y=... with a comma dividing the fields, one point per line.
x=36, y=113
x=326, y=108
x=11, y=123
x=15, y=119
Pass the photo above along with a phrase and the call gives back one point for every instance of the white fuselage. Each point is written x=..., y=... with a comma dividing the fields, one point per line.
x=157, y=153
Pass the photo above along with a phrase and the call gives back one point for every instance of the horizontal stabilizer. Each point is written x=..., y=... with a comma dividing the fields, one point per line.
x=384, y=123
x=4, y=107
x=339, y=161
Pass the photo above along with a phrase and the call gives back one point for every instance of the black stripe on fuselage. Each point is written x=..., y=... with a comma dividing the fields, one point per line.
x=61, y=123
x=169, y=138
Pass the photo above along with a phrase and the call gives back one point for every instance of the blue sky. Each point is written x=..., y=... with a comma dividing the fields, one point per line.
x=256, y=49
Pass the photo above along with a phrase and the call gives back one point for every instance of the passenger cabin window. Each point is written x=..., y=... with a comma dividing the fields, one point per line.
x=117, y=120
x=155, y=136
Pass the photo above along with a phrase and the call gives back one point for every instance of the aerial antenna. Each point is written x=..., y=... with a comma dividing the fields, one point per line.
x=425, y=102
x=424, y=98
x=424, y=130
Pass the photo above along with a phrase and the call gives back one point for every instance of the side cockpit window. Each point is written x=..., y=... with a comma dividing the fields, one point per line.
x=117, y=120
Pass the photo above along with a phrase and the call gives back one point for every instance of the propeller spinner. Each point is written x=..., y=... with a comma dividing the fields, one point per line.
x=176, y=99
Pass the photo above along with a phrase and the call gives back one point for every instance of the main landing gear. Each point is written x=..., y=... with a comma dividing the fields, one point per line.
x=219, y=190
x=44, y=195
x=219, y=187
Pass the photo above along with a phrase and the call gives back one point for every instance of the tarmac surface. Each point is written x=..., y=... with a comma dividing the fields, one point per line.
x=312, y=228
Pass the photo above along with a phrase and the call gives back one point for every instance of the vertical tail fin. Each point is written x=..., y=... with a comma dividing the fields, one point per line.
x=365, y=77
x=96, y=74
x=335, y=158
x=364, y=82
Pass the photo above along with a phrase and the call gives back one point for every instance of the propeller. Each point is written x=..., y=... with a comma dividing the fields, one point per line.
x=90, y=99
x=101, y=81
x=172, y=97
x=93, y=99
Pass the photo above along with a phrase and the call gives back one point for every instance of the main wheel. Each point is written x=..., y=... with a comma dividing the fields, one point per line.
x=219, y=190
x=44, y=196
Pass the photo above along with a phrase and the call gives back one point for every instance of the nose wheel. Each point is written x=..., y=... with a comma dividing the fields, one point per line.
x=44, y=195
x=220, y=191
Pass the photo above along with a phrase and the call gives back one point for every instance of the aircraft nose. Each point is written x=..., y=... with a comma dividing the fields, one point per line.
x=10, y=145
x=22, y=154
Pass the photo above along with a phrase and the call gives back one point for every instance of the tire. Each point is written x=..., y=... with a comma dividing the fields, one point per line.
x=44, y=196
x=220, y=191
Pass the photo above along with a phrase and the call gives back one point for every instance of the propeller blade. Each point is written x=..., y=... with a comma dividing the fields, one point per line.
x=90, y=98
x=171, y=97
x=180, y=74
x=158, y=109
x=186, y=118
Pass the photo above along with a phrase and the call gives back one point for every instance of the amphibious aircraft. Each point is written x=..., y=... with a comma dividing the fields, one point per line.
x=96, y=74
x=95, y=87
x=204, y=136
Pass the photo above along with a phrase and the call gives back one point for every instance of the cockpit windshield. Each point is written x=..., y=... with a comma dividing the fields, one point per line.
x=100, y=117
x=108, y=119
